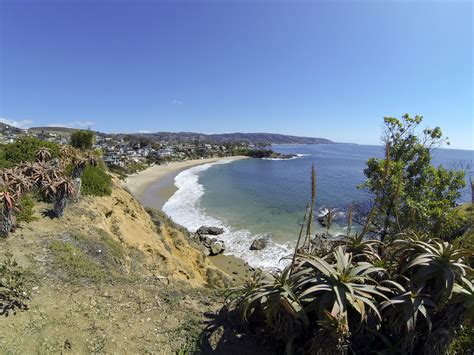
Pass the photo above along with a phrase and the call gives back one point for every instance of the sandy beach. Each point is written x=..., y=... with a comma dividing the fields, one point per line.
x=155, y=185
x=158, y=181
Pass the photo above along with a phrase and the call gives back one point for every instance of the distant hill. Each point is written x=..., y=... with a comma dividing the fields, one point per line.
x=254, y=138
x=62, y=131
x=7, y=128
x=271, y=138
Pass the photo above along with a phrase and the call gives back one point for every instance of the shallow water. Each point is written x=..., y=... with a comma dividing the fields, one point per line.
x=251, y=197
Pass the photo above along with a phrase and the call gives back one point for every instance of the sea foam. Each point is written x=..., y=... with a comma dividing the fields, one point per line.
x=297, y=156
x=185, y=209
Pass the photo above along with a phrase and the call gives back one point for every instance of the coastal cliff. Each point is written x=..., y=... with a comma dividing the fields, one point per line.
x=109, y=276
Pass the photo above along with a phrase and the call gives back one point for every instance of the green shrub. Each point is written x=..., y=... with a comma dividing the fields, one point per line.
x=24, y=150
x=26, y=209
x=13, y=287
x=96, y=181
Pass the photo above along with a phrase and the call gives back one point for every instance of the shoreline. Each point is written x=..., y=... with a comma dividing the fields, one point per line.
x=162, y=176
x=155, y=185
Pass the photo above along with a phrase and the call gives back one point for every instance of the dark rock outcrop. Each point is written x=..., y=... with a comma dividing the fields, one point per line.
x=287, y=156
x=210, y=230
x=260, y=243
x=322, y=220
x=210, y=246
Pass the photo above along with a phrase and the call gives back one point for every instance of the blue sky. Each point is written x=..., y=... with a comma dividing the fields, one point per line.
x=329, y=69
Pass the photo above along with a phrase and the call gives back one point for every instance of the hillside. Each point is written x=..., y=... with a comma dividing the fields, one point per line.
x=62, y=131
x=254, y=138
x=4, y=128
x=110, y=277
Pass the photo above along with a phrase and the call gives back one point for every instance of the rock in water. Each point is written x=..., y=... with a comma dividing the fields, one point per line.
x=322, y=220
x=260, y=243
x=210, y=230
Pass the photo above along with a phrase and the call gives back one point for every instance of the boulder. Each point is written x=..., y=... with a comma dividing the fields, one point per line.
x=203, y=240
x=216, y=248
x=260, y=243
x=208, y=245
x=210, y=230
x=322, y=220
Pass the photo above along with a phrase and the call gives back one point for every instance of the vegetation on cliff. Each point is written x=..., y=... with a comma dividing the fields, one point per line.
x=396, y=285
x=33, y=168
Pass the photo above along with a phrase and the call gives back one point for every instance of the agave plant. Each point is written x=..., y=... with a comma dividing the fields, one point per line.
x=360, y=248
x=463, y=292
x=439, y=262
x=12, y=185
x=29, y=169
x=6, y=176
x=272, y=298
x=62, y=189
x=43, y=154
x=341, y=285
x=21, y=184
x=270, y=293
x=406, y=307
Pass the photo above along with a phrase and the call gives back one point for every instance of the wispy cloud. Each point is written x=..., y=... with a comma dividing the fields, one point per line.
x=144, y=131
x=14, y=123
x=73, y=124
x=177, y=102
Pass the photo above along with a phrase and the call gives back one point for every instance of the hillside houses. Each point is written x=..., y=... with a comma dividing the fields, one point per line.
x=124, y=150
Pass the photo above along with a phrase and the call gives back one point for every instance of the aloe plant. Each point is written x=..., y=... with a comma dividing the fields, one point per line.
x=360, y=248
x=13, y=184
x=342, y=284
x=7, y=218
x=63, y=189
x=43, y=154
x=439, y=262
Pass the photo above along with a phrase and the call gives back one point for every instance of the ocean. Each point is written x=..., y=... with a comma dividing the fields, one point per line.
x=253, y=197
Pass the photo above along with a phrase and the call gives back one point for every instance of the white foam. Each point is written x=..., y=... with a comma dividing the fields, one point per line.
x=184, y=208
x=295, y=157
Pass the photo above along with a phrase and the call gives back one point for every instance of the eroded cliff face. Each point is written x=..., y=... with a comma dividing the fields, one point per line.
x=167, y=250
x=150, y=247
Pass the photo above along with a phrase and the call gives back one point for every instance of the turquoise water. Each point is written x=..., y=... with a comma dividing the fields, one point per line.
x=251, y=197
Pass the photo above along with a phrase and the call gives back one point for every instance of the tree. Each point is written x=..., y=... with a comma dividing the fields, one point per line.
x=409, y=192
x=83, y=140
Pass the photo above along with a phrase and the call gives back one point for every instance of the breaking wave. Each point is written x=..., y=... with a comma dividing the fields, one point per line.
x=185, y=209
